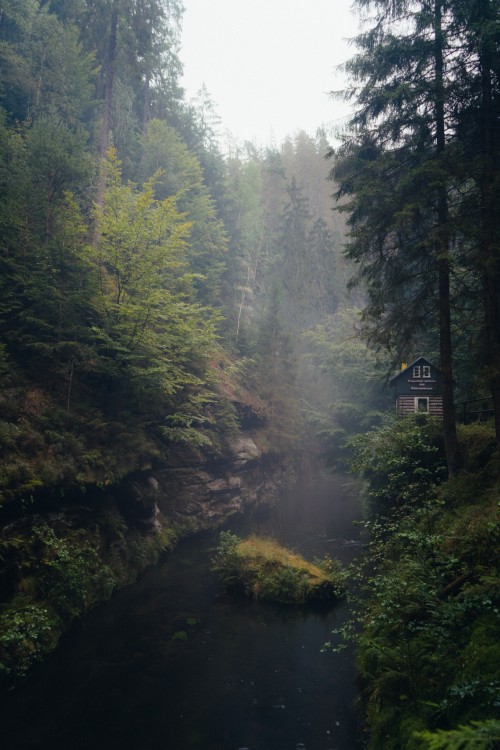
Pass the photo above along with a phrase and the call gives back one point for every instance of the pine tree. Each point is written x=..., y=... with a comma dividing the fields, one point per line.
x=395, y=164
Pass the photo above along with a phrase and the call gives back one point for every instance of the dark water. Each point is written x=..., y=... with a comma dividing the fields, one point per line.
x=172, y=663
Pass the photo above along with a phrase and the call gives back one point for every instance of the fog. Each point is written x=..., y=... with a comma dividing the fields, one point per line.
x=269, y=66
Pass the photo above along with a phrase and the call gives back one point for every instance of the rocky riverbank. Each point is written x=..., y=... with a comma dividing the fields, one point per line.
x=58, y=563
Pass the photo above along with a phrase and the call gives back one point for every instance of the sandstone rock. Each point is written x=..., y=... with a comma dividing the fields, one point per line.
x=244, y=449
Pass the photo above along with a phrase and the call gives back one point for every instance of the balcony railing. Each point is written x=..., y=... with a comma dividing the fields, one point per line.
x=475, y=410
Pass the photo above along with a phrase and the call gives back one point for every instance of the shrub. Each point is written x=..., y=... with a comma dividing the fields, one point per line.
x=479, y=735
x=426, y=624
x=262, y=568
x=401, y=462
x=26, y=634
x=73, y=576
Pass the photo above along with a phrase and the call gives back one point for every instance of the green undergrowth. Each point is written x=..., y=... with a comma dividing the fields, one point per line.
x=263, y=569
x=51, y=448
x=48, y=449
x=51, y=575
x=61, y=456
x=429, y=640
x=479, y=735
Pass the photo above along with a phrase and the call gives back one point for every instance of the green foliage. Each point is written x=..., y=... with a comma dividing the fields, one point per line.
x=44, y=68
x=59, y=573
x=261, y=568
x=112, y=328
x=150, y=331
x=26, y=634
x=479, y=448
x=479, y=735
x=275, y=372
x=427, y=623
x=180, y=635
x=354, y=377
x=247, y=263
x=226, y=560
x=401, y=462
x=394, y=168
x=73, y=576
x=179, y=174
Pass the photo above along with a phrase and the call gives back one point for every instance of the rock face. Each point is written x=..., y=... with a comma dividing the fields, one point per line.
x=195, y=491
x=104, y=538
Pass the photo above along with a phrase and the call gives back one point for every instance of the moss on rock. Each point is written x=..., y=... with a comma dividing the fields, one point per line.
x=261, y=568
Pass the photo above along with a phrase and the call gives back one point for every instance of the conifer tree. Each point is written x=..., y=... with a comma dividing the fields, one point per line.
x=395, y=165
x=478, y=113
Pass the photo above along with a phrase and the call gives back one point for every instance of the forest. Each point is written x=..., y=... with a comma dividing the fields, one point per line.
x=159, y=296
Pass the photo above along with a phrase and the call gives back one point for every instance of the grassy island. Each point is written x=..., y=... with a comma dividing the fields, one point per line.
x=261, y=568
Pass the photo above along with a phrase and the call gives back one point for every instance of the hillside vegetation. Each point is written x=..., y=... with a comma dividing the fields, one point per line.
x=429, y=647
x=153, y=297
x=135, y=257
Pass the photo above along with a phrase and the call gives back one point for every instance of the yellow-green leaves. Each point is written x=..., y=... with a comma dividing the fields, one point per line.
x=140, y=254
x=151, y=332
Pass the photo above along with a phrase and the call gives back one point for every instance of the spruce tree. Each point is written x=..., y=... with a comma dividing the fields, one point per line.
x=394, y=167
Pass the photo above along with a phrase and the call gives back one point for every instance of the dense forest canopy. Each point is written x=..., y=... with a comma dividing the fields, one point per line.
x=418, y=172
x=228, y=250
x=133, y=252
x=133, y=249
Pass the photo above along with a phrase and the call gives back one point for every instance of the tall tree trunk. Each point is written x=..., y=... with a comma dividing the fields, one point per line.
x=146, y=104
x=490, y=264
x=108, y=100
x=443, y=259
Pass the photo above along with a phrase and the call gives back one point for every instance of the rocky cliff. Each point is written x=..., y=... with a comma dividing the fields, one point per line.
x=196, y=492
x=62, y=560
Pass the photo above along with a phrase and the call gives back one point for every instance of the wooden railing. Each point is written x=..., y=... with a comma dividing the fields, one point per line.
x=475, y=410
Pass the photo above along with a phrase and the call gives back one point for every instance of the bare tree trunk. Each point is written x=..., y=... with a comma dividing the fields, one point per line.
x=443, y=260
x=488, y=255
x=251, y=277
x=106, y=114
x=146, y=114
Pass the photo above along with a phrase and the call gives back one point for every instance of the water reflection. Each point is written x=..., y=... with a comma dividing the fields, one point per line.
x=173, y=663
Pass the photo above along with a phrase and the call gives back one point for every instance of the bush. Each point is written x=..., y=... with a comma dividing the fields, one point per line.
x=479, y=735
x=401, y=462
x=261, y=568
x=73, y=576
x=26, y=635
x=427, y=645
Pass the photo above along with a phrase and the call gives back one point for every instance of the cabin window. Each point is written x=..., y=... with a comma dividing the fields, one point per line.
x=426, y=371
x=416, y=371
x=422, y=405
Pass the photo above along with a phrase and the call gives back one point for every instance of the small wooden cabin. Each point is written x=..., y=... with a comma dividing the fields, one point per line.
x=418, y=389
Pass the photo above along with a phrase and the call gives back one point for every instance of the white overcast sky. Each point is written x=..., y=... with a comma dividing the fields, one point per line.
x=268, y=64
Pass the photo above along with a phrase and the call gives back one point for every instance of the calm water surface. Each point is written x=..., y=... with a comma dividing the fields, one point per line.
x=173, y=663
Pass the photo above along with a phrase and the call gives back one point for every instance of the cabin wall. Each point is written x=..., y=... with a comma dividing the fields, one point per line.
x=409, y=405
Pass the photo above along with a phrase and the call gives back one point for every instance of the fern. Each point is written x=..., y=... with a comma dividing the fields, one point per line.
x=479, y=735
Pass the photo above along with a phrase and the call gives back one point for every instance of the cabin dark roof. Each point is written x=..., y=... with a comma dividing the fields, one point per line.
x=418, y=361
x=419, y=379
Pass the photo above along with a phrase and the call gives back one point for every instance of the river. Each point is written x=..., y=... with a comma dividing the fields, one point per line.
x=173, y=663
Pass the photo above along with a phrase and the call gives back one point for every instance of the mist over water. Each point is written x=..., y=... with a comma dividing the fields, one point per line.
x=172, y=662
